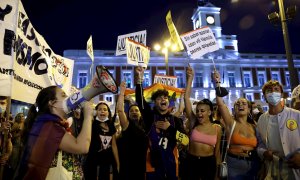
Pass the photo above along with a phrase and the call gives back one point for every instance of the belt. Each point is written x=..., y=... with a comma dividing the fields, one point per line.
x=200, y=157
x=240, y=157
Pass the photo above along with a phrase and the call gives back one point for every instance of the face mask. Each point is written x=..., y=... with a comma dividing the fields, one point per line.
x=255, y=111
x=102, y=120
x=273, y=98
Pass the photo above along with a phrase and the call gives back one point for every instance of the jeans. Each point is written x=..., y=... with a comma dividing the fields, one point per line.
x=241, y=169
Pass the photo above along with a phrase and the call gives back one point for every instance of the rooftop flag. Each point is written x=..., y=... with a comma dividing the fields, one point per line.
x=89, y=48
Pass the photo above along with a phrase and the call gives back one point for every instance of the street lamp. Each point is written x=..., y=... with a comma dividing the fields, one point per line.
x=274, y=17
x=165, y=50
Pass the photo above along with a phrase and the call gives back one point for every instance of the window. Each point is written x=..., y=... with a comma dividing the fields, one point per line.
x=261, y=78
x=180, y=82
x=247, y=79
x=108, y=98
x=127, y=75
x=275, y=76
x=265, y=108
x=249, y=96
x=146, y=81
x=198, y=80
x=231, y=79
x=82, y=79
x=161, y=72
x=262, y=97
x=287, y=79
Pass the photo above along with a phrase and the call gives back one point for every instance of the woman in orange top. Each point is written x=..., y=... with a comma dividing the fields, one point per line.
x=243, y=162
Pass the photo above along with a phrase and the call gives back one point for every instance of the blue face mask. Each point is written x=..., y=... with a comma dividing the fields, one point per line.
x=273, y=98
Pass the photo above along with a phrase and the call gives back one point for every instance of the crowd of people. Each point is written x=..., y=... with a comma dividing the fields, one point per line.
x=154, y=143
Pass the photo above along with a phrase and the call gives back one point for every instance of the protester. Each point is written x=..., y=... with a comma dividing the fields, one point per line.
x=17, y=132
x=243, y=162
x=45, y=133
x=102, y=161
x=5, y=143
x=133, y=141
x=257, y=111
x=295, y=103
x=278, y=135
x=163, y=129
x=205, y=137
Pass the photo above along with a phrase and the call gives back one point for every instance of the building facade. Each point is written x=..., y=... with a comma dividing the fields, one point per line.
x=242, y=74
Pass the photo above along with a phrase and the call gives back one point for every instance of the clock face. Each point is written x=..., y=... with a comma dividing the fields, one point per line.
x=210, y=20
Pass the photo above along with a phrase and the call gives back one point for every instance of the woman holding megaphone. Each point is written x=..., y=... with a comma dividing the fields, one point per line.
x=46, y=134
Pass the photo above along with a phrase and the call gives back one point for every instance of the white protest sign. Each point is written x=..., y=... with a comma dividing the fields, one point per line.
x=200, y=42
x=139, y=37
x=137, y=54
x=8, y=26
x=165, y=80
x=36, y=66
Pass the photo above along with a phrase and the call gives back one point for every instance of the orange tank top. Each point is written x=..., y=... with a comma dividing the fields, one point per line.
x=237, y=139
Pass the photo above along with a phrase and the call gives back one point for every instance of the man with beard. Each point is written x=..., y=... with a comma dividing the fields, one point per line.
x=133, y=141
x=164, y=131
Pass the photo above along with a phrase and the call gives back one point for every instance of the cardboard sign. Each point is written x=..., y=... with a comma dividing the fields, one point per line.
x=139, y=37
x=137, y=54
x=165, y=80
x=200, y=42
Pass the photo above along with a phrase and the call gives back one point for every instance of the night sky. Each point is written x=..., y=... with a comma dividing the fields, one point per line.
x=67, y=24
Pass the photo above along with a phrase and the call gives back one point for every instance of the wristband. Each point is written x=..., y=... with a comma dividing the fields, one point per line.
x=221, y=92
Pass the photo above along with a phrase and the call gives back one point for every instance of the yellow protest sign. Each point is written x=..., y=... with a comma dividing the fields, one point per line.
x=173, y=32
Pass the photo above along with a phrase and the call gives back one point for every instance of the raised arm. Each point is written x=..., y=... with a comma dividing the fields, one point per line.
x=181, y=106
x=120, y=107
x=140, y=100
x=81, y=144
x=188, y=105
x=220, y=93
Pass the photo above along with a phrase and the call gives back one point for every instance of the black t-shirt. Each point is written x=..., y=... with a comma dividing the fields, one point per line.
x=132, y=145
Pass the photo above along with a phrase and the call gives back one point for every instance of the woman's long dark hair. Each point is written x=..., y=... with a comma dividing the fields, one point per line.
x=40, y=107
x=109, y=112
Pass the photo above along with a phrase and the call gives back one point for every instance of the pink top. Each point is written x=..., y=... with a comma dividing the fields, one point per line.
x=203, y=138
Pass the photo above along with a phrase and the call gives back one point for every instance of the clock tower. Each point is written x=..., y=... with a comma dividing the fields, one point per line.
x=207, y=14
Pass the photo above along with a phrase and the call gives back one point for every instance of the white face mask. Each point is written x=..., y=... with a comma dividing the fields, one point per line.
x=255, y=111
x=273, y=98
x=102, y=120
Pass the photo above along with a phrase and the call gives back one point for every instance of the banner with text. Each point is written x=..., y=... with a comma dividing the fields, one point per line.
x=8, y=26
x=137, y=54
x=139, y=37
x=165, y=80
x=173, y=32
x=35, y=65
x=200, y=42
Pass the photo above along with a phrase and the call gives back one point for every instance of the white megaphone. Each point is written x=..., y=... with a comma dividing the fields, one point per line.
x=102, y=82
